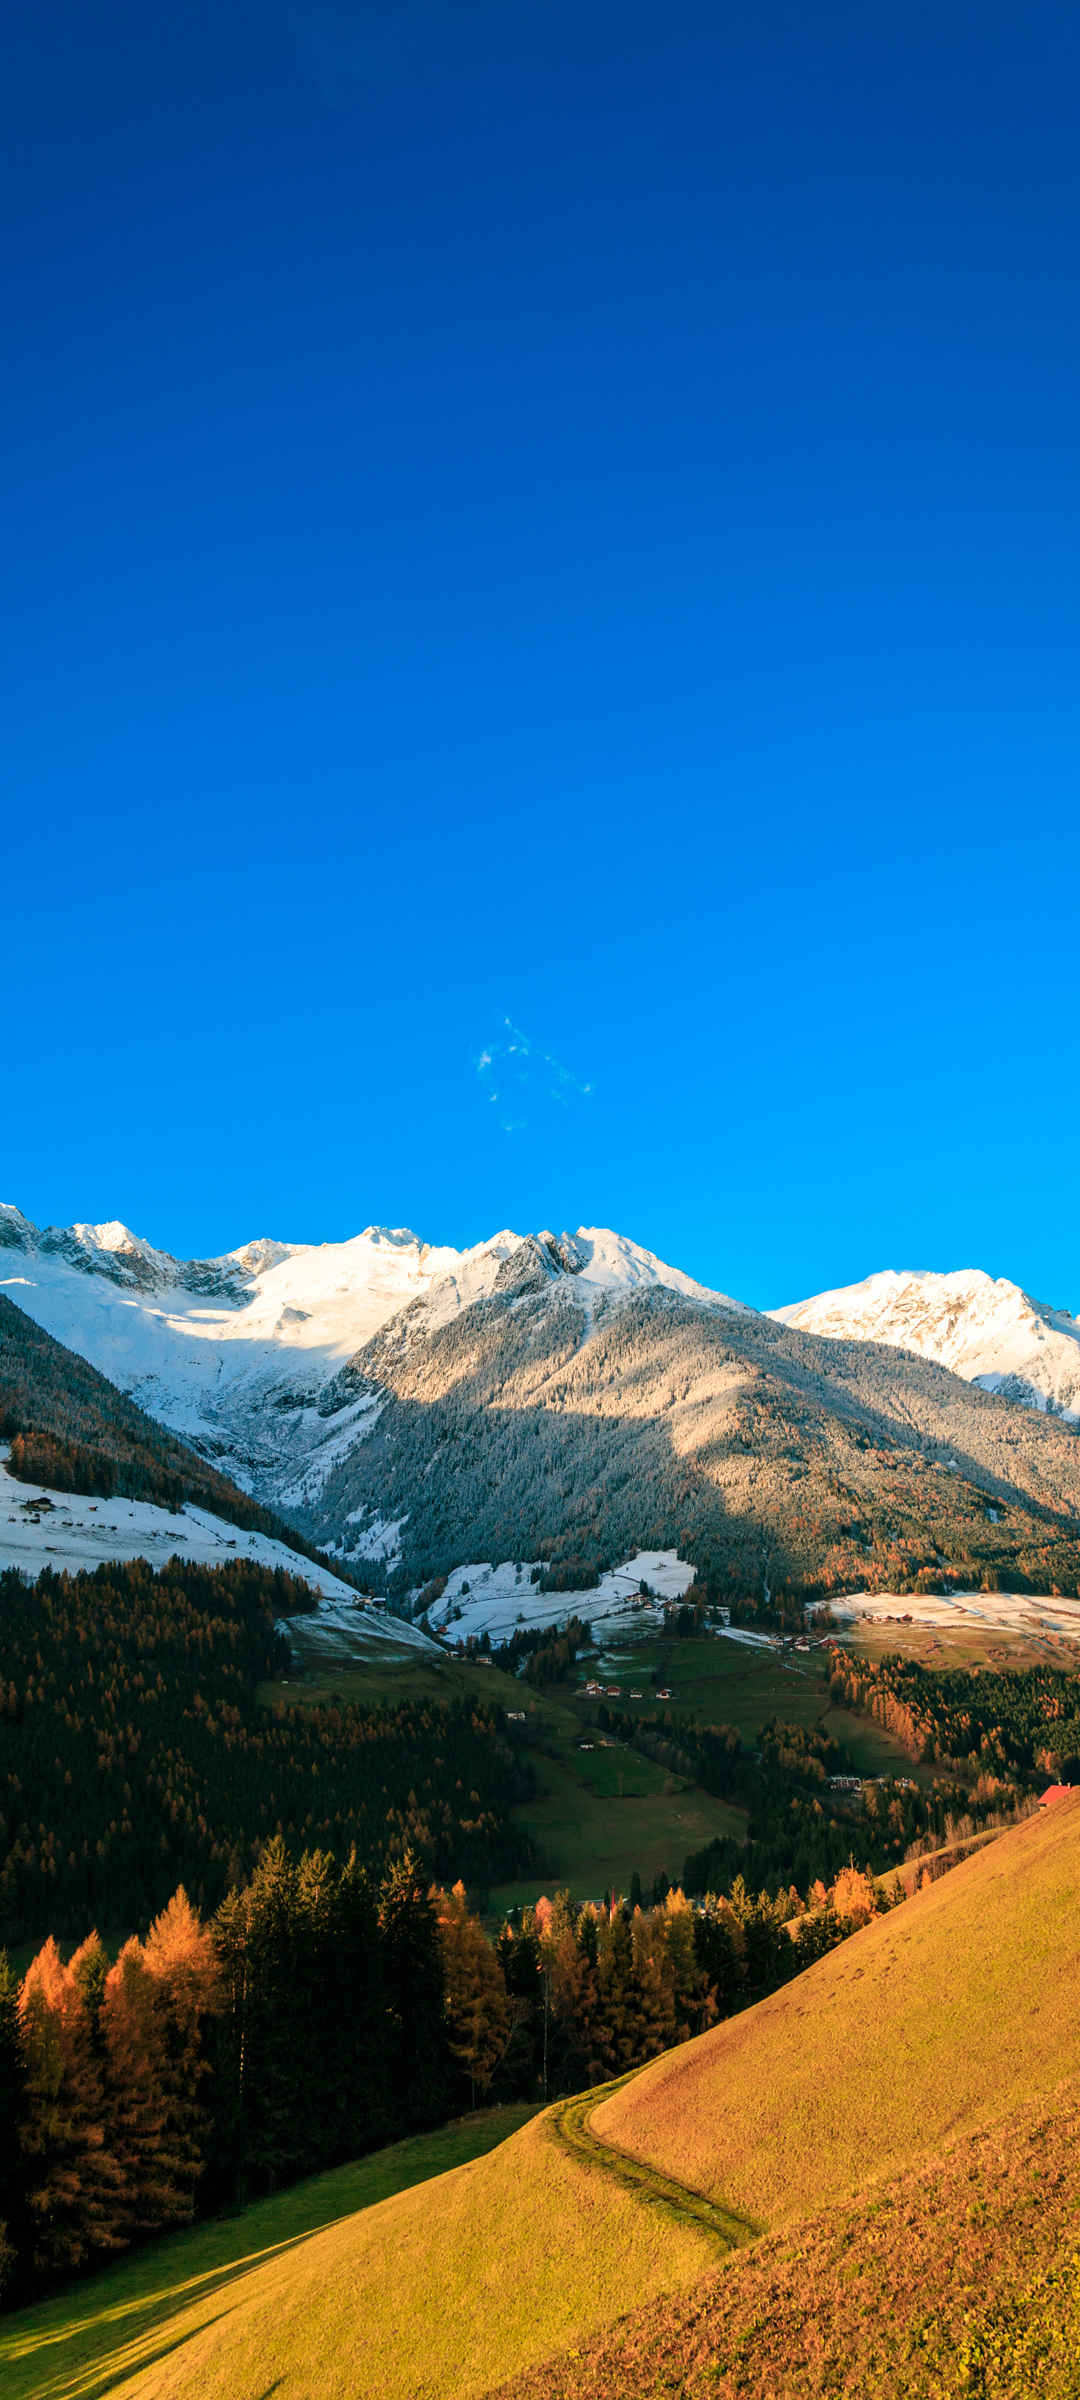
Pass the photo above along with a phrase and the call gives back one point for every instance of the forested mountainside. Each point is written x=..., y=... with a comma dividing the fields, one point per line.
x=136, y=1753
x=69, y=1428
x=527, y=1427
x=235, y=1354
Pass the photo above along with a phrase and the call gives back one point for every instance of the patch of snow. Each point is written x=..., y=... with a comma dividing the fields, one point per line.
x=1013, y=1615
x=352, y=1628
x=76, y=1532
x=376, y=1537
x=503, y=1598
x=613, y=1266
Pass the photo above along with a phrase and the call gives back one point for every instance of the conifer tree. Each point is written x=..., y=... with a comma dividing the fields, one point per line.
x=617, y=1995
x=150, y=2172
x=719, y=1948
x=418, y=2065
x=357, y=2004
x=568, y=1949
x=259, y=1934
x=72, y=2185
x=180, y=1954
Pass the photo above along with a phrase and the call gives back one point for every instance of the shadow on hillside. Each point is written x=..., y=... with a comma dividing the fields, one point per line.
x=91, y=2338
x=121, y=2341
x=732, y=1439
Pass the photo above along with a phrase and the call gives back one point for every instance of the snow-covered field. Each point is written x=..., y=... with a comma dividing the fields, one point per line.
x=351, y=1628
x=74, y=1532
x=498, y=1600
x=1005, y=1613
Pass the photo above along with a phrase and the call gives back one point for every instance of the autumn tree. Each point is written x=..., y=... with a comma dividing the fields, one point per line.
x=478, y=2015
x=72, y=2182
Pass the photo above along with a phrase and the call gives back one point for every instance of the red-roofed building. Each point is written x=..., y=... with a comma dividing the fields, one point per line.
x=1055, y=1792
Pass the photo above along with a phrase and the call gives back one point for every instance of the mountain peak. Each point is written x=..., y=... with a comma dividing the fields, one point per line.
x=611, y=1262
x=115, y=1237
x=984, y=1328
x=16, y=1231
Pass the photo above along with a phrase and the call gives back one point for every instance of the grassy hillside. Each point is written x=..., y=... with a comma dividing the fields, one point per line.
x=431, y=2295
x=931, y=2022
x=913, y=2101
x=87, y=2340
x=960, y=2280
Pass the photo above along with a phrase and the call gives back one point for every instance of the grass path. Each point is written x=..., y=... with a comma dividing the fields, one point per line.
x=572, y=2123
x=378, y=2283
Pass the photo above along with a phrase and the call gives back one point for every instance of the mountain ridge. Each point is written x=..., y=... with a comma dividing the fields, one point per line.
x=246, y=1382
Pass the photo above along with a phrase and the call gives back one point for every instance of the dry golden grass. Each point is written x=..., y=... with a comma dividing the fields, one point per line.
x=958, y=2281
x=960, y=2005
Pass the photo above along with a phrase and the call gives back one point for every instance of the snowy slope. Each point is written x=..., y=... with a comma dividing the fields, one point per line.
x=236, y=1354
x=74, y=1532
x=67, y=1532
x=991, y=1333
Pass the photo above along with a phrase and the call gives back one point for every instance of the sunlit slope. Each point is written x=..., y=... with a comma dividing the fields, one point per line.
x=436, y=2294
x=956, y=2280
x=933, y=2021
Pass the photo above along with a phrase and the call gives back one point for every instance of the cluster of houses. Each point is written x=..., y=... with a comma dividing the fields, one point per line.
x=852, y=1786
x=614, y=1691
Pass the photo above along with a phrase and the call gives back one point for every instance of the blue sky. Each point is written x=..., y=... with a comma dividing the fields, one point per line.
x=541, y=628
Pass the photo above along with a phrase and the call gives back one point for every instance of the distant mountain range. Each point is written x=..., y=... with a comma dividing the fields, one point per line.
x=573, y=1398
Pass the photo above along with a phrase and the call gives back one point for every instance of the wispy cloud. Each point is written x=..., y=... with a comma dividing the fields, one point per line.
x=520, y=1081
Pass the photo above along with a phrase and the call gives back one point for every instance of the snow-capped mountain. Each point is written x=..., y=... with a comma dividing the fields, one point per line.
x=988, y=1331
x=568, y=1398
x=240, y=1354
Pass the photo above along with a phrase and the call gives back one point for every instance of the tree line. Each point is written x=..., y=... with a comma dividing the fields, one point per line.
x=324, y=2010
